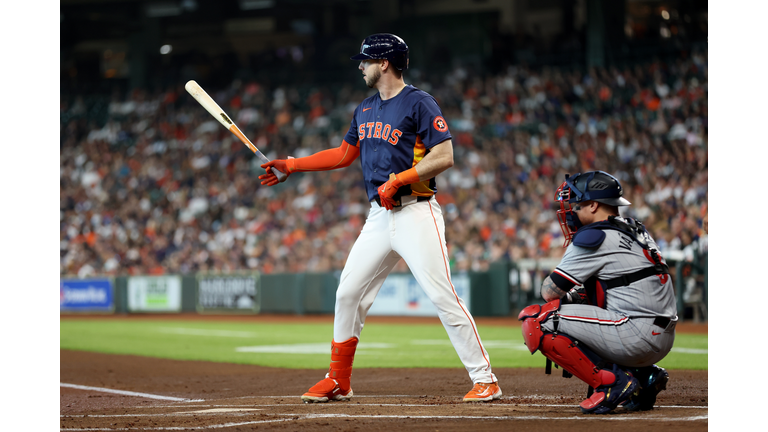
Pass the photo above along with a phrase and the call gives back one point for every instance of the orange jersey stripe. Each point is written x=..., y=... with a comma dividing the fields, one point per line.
x=419, y=151
x=420, y=189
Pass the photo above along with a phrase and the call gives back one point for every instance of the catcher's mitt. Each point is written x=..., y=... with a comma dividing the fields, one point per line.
x=577, y=295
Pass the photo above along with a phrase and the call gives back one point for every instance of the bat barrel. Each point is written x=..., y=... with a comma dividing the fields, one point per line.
x=197, y=92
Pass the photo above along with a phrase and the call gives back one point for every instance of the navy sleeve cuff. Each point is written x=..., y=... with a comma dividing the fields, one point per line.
x=561, y=281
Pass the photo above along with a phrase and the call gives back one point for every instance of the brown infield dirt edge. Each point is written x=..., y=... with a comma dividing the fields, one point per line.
x=421, y=399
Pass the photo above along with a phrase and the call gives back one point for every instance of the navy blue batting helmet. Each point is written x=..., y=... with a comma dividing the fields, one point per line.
x=384, y=46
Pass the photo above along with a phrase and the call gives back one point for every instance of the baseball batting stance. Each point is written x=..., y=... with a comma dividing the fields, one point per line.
x=611, y=310
x=403, y=142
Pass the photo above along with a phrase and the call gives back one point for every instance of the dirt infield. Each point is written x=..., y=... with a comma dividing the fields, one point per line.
x=195, y=395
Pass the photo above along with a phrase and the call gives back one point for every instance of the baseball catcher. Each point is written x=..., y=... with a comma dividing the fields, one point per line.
x=611, y=310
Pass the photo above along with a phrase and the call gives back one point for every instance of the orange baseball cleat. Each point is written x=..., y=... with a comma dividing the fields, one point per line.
x=325, y=390
x=483, y=392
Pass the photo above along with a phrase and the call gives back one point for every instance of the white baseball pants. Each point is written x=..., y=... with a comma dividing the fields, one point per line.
x=416, y=233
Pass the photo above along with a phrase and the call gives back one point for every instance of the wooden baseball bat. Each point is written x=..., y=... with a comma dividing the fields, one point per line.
x=215, y=110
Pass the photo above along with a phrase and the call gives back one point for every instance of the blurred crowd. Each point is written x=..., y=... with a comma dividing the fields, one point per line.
x=163, y=188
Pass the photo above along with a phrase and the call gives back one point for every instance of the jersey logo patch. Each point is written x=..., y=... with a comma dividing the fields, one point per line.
x=440, y=124
x=365, y=109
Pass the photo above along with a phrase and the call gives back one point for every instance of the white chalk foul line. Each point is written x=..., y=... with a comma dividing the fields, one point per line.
x=442, y=405
x=228, y=412
x=511, y=398
x=574, y=404
x=296, y=417
x=357, y=396
x=435, y=405
x=128, y=393
x=215, y=426
x=592, y=417
x=339, y=405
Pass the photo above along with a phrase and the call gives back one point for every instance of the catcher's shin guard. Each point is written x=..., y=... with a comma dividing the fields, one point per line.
x=336, y=384
x=575, y=358
x=611, y=385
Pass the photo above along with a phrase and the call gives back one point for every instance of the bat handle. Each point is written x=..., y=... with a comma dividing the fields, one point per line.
x=281, y=176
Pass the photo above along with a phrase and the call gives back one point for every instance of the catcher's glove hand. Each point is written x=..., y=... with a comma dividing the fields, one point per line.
x=577, y=295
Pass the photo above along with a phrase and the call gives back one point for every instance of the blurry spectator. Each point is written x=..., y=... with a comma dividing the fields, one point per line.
x=160, y=187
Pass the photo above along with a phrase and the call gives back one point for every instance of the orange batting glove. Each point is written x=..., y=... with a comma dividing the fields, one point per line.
x=388, y=190
x=287, y=166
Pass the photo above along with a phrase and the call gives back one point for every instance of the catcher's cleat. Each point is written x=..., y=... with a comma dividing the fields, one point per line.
x=483, y=392
x=652, y=380
x=606, y=397
x=326, y=390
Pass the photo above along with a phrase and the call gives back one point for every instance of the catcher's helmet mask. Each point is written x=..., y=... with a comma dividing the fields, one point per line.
x=598, y=186
x=384, y=46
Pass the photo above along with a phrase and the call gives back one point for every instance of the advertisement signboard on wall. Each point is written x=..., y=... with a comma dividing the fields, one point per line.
x=154, y=294
x=228, y=293
x=86, y=295
x=401, y=295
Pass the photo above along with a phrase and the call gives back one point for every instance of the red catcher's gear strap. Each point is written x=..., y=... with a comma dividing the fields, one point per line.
x=342, y=356
x=566, y=353
x=326, y=160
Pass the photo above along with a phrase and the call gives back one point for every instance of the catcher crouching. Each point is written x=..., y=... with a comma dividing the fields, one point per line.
x=611, y=309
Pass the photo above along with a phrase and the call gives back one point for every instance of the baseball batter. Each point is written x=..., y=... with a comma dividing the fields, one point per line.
x=403, y=142
x=611, y=310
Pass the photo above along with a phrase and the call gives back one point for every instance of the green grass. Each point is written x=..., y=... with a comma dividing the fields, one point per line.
x=383, y=345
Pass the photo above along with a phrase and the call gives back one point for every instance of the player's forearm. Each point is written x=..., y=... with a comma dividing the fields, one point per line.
x=550, y=291
x=439, y=159
x=325, y=160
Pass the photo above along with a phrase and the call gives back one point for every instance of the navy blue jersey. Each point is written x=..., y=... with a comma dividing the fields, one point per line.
x=394, y=135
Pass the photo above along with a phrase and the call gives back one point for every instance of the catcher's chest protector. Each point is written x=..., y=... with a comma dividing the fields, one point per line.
x=593, y=235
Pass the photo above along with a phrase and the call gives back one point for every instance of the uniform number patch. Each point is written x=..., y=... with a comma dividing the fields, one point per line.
x=440, y=124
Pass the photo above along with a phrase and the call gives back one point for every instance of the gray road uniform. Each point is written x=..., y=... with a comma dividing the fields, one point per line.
x=611, y=309
x=632, y=316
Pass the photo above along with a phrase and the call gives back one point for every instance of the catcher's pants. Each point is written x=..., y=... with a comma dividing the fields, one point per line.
x=632, y=342
x=416, y=233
